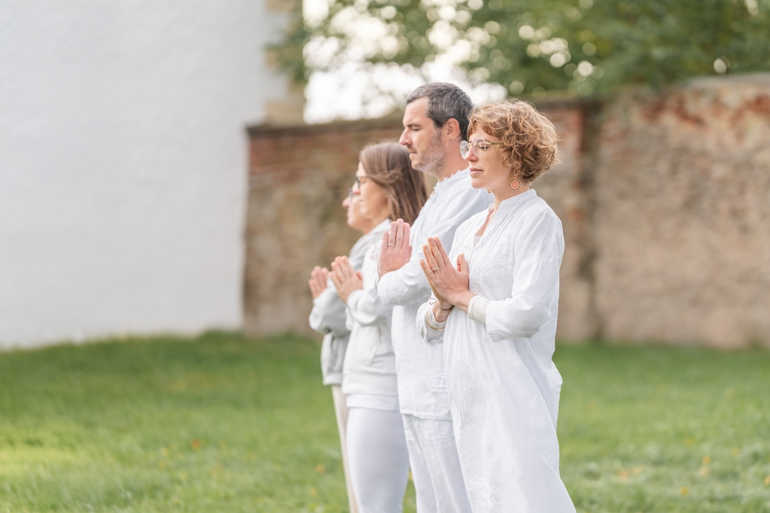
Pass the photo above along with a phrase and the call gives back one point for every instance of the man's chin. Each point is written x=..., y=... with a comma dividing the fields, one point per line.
x=417, y=165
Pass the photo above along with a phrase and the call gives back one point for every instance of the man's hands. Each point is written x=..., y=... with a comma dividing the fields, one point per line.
x=395, y=250
x=345, y=278
x=319, y=277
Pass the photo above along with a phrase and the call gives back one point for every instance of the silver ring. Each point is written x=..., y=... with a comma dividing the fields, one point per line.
x=434, y=270
x=392, y=244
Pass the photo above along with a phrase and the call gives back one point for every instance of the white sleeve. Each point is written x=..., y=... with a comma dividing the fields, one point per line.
x=328, y=314
x=477, y=309
x=427, y=333
x=537, y=257
x=364, y=305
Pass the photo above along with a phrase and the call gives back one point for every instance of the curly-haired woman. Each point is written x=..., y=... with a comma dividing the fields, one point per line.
x=494, y=307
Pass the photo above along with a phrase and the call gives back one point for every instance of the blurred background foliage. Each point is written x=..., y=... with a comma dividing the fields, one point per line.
x=584, y=47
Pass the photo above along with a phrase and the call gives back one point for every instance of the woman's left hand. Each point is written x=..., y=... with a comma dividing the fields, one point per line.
x=449, y=282
x=345, y=278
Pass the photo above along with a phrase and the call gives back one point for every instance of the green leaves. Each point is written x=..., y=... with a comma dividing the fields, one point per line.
x=528, y=46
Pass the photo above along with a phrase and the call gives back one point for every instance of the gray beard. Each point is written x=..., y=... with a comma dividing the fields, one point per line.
x=433, y=162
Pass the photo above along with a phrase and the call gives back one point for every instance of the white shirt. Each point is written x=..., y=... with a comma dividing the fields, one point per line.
x=328, y=317
x=370, y=366
x=503, y=386
x=419, y=366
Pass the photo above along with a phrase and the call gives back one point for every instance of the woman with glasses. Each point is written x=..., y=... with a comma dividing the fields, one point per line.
x=494, y=308
x=379, y=462
x=328, y=317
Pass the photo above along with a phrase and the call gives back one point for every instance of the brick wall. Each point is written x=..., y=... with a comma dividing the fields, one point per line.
x=298, y=178
x=664, y=198
x=682, y=214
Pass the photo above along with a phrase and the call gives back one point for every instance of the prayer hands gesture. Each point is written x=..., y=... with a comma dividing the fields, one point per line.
x=318, y=279
x=449, y=283
x=345, y=278
x=395, y=250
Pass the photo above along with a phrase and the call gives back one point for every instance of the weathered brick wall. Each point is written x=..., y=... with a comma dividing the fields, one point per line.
x=682, y=217
x=664, y=197
x=298, y=178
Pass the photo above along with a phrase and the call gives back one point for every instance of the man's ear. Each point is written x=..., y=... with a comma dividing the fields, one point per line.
x=452, y=129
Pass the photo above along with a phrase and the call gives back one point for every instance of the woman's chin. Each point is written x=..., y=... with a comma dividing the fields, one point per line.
x=477, y=182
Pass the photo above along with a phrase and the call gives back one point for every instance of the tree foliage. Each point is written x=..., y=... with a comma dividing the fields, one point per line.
x=529, y=46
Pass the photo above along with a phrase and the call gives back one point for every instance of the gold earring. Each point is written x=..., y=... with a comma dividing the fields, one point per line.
x=515, y=184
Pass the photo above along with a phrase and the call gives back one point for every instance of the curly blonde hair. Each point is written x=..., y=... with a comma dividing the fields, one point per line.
x=529, y=140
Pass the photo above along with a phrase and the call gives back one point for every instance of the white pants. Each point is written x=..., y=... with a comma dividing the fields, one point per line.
x=379, y=461
x=438, y=480
x=341, y=410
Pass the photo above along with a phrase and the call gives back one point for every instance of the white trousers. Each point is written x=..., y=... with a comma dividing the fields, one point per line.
x=379, y=461
x=438, y=480
x=341, y=411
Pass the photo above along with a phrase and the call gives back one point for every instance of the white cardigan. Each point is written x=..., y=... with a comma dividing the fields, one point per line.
x=370, y=365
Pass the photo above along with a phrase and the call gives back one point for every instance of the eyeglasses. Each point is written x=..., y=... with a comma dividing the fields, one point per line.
x=479, y=147
x=360, y=180
x=351, y=193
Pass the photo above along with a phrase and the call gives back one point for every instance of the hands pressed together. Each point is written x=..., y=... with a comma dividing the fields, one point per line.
x=319, y=277
x=449, y=282
x=345, y=278
x=395, y=250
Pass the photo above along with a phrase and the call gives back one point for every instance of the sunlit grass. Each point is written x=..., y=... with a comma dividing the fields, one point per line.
x=223, y=423
x=650, y=429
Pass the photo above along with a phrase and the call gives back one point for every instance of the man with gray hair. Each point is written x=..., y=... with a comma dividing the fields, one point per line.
x=435, y=122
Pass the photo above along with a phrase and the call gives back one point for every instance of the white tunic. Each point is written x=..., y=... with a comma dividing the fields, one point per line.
x=420, y=367
x=503, y=386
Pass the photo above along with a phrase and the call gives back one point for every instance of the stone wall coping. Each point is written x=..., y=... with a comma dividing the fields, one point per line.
x=271, y=129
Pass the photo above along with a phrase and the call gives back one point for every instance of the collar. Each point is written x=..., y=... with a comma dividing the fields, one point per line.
x=517, y=200
x=446, y=182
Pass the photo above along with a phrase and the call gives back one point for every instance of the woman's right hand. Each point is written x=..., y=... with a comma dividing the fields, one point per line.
x=319, y=277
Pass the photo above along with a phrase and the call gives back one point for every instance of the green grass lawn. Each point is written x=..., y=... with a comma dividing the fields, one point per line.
x=223, y=423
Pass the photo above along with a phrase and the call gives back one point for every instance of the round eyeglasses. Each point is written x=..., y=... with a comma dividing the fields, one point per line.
x=479, y=146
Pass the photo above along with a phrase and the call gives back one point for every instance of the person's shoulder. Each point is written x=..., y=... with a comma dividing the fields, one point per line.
x=539, y=210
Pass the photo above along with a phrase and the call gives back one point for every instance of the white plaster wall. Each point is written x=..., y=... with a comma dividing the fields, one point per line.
x=123, y=163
